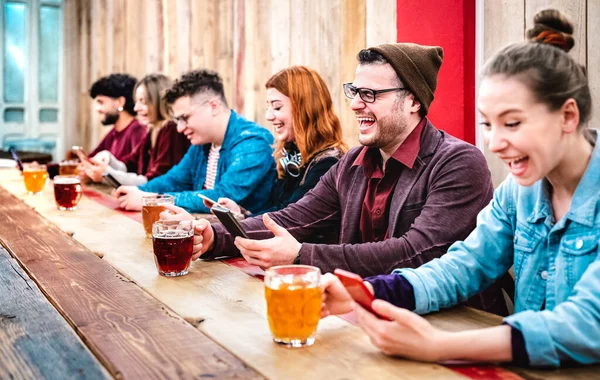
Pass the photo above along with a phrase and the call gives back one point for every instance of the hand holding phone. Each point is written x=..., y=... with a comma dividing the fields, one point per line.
x=112, y=181
x=228, y=220
x=358, y=291
x=210, y=202
x=83, y=157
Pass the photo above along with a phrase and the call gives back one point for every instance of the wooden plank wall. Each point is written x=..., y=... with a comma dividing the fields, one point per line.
x=507, y=21
x=246, y=41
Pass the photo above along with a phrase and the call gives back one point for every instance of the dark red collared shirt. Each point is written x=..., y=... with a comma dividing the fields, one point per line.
x=375, y=208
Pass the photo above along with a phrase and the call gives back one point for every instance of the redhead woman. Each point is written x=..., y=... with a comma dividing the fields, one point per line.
x=307, y=131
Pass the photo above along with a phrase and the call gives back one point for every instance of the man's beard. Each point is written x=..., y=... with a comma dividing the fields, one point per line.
x=110, y=118
x=388, y=128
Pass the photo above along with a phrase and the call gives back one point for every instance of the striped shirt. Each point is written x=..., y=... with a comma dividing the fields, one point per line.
x=211, y=166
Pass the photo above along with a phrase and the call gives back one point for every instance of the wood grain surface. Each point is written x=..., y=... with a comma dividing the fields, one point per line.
x=133, y=334
x=229, y=306
x=35, y=340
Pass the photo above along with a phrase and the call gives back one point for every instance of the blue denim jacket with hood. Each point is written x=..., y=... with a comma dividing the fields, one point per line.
x=245, y=172
x=556, y=264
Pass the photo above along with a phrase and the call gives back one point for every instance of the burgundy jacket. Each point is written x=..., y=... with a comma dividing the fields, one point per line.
x=433, y=205
x=170, y=148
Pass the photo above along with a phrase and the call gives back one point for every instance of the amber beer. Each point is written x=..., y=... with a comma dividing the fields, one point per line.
x=294, y=300
x=152, y=206
x=34, y=177
x=68, y=167
x=173, y=243
x=67, y=192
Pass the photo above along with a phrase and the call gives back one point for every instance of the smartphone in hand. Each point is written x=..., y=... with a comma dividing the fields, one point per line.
x=209, y=201
x=15, y=156
x=357, y=289
x=83, y=157
x=228, y=219
x=112, y=181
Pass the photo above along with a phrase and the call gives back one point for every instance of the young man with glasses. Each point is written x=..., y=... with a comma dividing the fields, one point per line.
x=229, y=157
x=398, y=201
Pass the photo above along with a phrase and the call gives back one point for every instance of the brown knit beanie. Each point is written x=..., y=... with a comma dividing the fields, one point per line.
x=417, y=67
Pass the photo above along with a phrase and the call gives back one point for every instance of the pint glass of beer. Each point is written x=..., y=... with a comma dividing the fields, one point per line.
x=34, y=176
x=152, y=206
x=173, y=242
x=293, y=296
x=68, y=167
x=67, y=192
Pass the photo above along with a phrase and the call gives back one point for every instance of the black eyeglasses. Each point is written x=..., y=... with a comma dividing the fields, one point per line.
x=366, y=94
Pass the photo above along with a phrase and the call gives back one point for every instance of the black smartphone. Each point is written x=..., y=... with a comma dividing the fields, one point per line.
x=15, y=156
x=230, y=222
x=112, y=181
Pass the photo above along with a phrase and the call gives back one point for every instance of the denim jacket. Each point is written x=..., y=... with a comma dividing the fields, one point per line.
x=245, y=172
x=557, y=267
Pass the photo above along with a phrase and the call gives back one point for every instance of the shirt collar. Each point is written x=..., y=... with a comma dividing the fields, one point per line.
x=406, y=153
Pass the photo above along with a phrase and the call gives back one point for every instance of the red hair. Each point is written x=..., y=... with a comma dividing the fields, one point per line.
x=316, y=126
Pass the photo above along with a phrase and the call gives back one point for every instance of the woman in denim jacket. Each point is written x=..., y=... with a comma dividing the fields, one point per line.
x=544, y=219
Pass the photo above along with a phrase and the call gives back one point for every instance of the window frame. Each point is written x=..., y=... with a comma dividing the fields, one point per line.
x=32, y=127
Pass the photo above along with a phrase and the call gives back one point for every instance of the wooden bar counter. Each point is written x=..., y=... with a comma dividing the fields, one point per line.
x=95, y=270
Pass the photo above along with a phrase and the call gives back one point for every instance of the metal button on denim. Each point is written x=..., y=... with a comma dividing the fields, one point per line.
x=544, y=275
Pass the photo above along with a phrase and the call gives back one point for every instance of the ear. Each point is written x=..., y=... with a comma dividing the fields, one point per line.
x=121, y=101
x=214, y=106
x=415, y=105
x=570, y=116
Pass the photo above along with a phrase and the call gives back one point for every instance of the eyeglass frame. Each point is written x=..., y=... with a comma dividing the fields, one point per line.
x=183, y=119
x=375, y=92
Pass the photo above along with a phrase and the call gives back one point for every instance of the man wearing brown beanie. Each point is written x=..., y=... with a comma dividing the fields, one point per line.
x=398, y=201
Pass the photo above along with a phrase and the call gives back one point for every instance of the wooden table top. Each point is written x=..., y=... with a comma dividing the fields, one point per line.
x=94, y=277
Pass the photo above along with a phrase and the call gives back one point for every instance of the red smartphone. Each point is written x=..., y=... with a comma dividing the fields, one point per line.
x=357, y=289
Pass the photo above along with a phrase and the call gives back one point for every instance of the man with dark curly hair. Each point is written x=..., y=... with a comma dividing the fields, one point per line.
x=230, y=156
x=113, y=100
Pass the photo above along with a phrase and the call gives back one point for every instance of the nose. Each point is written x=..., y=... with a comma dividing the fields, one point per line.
x=270, y=115
x=180, y=126
x=137, y=107
x=495, y=140
x=357, y=103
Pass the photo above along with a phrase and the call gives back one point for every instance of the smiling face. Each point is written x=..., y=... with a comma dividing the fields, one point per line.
x=145, y=112
x=523, y=132
x=107, y=108
x=195, y=118
x=382, y=124
x=279, y=114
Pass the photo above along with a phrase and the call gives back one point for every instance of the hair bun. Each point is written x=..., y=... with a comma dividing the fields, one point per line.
x=552, y=28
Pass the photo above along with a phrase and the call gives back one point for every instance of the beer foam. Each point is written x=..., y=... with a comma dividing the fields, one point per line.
x=66, y=181
x=171, y=234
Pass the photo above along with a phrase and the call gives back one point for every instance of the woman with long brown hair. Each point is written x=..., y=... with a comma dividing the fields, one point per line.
x=162, y=148
x=308, y=134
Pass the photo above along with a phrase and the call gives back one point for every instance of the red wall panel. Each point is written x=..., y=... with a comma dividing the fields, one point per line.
x=451, y=25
